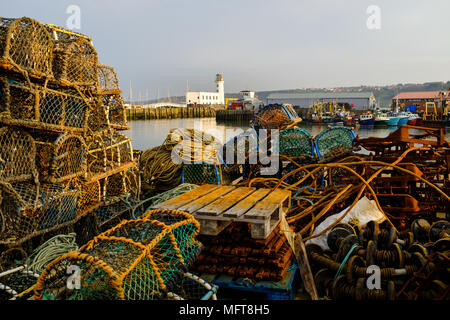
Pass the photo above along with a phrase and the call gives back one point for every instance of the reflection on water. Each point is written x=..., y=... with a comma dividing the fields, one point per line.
x=150, y=133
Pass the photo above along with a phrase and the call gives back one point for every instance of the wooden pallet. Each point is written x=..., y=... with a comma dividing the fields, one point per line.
x=216, y=207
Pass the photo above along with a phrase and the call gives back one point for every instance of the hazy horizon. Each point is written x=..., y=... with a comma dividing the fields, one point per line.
x=259, y=46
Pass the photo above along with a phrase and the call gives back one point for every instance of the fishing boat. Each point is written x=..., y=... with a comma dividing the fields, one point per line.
x=414, y=119
x=403, y=118
x=327, y=117
x=393, y=120
x=366, y=119
x=381, y=119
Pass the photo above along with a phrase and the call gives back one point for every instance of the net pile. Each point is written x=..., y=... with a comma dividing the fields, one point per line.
x=138, y=259
x=61, y=158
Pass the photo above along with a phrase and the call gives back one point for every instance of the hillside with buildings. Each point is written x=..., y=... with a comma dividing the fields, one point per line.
x=383, y=94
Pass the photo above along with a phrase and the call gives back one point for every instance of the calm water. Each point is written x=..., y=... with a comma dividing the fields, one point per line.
x=150, y=133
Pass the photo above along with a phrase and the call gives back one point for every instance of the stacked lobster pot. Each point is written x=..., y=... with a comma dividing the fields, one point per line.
x=61, y=156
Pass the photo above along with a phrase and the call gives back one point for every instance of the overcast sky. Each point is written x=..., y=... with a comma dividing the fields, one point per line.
x=258, y=44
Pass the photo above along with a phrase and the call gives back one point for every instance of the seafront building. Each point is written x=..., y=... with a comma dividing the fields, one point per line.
x=208, y=98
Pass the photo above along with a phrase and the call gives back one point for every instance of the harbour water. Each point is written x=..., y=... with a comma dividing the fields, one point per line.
x=151, y=133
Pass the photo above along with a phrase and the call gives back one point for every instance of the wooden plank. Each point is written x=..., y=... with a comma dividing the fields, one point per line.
x=225, y=202
x=244, y=205
x=199, y=203
x=267, y=206
x=181, y=200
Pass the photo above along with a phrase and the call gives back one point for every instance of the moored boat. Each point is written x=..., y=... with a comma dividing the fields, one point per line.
x=414, y=119
x=393, y=120
x=381, y=119
x=403, y=118
x=366, y=119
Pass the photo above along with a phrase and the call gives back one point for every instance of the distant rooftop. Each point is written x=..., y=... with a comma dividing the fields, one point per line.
x=419, y=95
x=321, y=95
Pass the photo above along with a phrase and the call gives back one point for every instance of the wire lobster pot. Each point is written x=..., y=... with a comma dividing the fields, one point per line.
x=108, y=152
x=60, y=158
x=108, y=81
x=115, y=110
x=25, y=47
x=123, y=183
x=98, y=117
x=139, y=259
x=28, y=209
x=35, y=106
x=91, y=193
x=74, y=58
x=17, y=155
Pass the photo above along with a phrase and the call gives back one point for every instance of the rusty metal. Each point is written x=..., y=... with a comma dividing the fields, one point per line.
x=235, y=253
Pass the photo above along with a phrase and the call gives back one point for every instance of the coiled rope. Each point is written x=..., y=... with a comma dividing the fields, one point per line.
x=50, y=250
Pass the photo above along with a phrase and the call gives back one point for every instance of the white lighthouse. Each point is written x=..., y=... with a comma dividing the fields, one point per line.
x=208, y=98
x=220, y=90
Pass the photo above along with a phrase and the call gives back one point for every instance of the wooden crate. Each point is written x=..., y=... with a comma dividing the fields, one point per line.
x=216, y=207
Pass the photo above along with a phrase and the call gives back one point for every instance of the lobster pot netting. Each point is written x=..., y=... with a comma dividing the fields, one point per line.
x=38, y=107
x=108, y=81
x=192, y=287
x=91, y=193
x=124, y=183
x=115, y=110
x=75, y=61
x=297, y=143
x=60, y=159
x=17, y=155
x=199, y=173
x=27, y=210
x=334, y=141
x=107, y=151
x=25, y=45
x=17, y=282
x=273, y=116
x=136, y=260
x=98, y=117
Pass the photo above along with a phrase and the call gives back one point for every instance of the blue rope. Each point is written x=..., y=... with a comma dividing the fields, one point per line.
x=345, y=260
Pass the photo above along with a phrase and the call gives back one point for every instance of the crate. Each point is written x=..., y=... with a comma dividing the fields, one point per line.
x=283, y=290
x=25, y=47
x=17, y=154
x=34, y=106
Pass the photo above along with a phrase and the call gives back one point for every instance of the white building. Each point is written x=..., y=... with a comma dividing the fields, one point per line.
x=213, y=98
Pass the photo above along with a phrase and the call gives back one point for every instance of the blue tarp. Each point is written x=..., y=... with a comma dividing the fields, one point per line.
x=411, y=107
